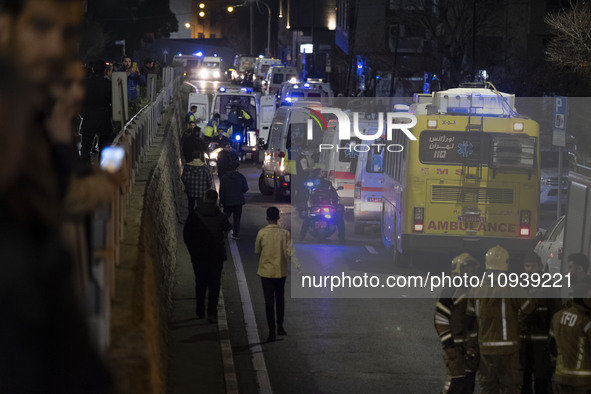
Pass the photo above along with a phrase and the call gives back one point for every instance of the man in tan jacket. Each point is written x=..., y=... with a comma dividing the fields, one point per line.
x=274, y=246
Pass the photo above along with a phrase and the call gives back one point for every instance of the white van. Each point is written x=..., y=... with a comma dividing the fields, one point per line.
x=261, y=66
x=223, y=101
x=289, y=126
x=211, y=68
x=276, y=75
x=304, y=92
x=339, y=162
x=367, y=198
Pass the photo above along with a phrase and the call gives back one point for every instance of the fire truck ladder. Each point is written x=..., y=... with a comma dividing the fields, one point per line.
x=473, y=163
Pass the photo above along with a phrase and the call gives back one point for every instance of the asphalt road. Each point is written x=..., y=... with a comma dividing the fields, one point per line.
x=334, y=345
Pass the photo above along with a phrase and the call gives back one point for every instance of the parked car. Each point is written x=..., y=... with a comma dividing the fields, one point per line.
x=549, y=177
x=550, y=247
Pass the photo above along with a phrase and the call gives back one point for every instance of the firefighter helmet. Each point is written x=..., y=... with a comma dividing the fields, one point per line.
x=497, y=259
x=460, y=261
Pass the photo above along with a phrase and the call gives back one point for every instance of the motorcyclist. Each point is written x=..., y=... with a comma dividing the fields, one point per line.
x=322, y=192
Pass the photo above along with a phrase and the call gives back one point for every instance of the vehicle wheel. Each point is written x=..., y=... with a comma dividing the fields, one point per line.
x=358, y=228
x=278, y=193
x=264, y=189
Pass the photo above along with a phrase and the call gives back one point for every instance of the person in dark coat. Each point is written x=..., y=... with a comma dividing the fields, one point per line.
x=225, y=159
x=192, y=142
x=233, y=185
x=204, y=236
x=96, y=120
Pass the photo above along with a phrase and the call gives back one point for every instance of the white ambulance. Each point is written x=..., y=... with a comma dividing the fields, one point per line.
x=367, y=196
x=222, y=103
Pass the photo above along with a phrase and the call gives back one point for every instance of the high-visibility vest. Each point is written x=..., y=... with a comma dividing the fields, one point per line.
x=211, y=130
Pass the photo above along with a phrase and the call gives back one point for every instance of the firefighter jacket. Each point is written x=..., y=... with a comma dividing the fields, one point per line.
x=536, y=326
x=497, y=311
x=450, y=317
x=571, y=329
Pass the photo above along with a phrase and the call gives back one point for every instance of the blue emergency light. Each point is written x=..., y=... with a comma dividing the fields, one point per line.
x=306, y=85
x=237, y=138
x=246, y=90
x=222, y=89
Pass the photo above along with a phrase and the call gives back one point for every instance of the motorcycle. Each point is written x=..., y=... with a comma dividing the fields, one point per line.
x=323, y=215
x=212, y=156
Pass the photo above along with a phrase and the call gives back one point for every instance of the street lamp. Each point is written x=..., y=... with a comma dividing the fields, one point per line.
x=268, y=48
x=230, y=9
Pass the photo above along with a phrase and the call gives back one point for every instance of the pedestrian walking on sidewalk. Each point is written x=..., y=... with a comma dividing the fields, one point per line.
x=233, y=185
x=204, y=236
x=197, y=180
x=274, y=246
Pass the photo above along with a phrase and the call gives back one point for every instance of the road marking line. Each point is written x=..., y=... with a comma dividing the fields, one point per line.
x=226, y=346
x=371, y=249
x=252, y=332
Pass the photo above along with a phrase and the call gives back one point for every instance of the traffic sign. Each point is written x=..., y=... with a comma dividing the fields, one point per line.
x=559, y=130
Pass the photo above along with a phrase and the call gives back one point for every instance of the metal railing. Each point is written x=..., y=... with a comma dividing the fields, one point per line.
x=107, y=222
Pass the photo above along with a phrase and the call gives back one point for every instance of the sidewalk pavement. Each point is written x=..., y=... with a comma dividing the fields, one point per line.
x=200, y=353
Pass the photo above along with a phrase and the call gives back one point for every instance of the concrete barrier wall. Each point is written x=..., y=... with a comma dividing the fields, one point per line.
x=144, y=278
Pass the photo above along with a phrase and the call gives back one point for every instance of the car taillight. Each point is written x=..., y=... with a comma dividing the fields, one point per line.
x=524, y=223
x=357, y=190
x=419, y=217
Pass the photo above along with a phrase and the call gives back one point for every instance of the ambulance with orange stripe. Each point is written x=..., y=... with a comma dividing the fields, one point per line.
x=367, y=198
x=339, y=162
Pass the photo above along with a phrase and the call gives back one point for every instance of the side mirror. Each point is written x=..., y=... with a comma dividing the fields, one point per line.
x=340, y=188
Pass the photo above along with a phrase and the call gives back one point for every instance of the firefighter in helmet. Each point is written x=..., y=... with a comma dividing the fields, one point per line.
x=497, y=311
x=459, y=353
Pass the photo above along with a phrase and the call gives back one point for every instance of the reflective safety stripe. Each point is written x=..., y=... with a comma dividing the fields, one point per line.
x=571, y=372
x=442, y=321
x=542, y=308
x=525, y=304
x=535, y=337
x=445, y=337
x=460, y=298
x=443, y=307
x=587, y=327
x=504, y=319
x=459, y=340
x=504, y=343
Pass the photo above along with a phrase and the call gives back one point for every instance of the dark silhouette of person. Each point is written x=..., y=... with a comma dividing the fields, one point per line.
x=204, y=236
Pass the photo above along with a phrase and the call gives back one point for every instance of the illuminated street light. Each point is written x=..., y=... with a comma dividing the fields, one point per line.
x=188, y=25
x=230, y=9
x=201, y=14
x=201, y=5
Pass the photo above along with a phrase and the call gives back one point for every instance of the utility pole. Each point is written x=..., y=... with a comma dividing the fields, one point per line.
x=251, y=48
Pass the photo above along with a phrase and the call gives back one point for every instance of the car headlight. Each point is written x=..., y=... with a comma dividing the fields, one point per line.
x=216, y=74
x=203, y=73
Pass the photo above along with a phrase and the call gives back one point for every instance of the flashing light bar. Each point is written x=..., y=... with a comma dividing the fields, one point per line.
x=237, y=138
x=246, y=90
x=222, y=89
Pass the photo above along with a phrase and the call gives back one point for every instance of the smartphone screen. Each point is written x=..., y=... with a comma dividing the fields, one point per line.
x=112, y=158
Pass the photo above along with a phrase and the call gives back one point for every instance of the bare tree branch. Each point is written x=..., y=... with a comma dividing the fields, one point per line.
x=571, y=45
